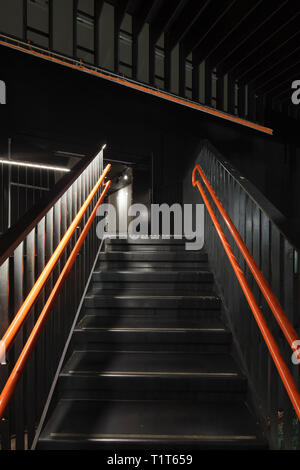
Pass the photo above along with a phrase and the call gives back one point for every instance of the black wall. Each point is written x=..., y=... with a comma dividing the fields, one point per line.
x=75, y=110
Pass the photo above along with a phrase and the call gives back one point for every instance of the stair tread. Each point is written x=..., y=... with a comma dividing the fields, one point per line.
x=147, y=241
x=95, y=322
x=149, y=294
x=154, y=255
x=100, y=300
x=135, y=311
x=149, y=265
x=166, y=275
x=149, y=363
x=98, y=292
x=137, y=420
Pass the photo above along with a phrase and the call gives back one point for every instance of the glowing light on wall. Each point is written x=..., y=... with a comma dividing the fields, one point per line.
x=33, y=165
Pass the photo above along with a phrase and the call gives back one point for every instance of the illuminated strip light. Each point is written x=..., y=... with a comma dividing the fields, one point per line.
x=34, y=165
x=145, y=89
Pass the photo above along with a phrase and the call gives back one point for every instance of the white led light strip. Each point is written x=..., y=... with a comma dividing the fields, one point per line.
x=33, y=165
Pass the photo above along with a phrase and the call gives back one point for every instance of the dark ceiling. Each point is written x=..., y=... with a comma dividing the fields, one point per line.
x=256, y=41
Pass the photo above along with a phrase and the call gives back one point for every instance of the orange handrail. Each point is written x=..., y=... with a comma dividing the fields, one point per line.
x=144, y=88
x=284, y=372
x=20, y=365
x=25, y=308
x=283, y=321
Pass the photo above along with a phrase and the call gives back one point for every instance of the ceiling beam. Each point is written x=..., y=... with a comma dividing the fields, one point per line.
x=246, y=28
x=120, y=9
x=269, y=53
x=143, y=14
x=276, y=21
x=188, y=17
x=284, y=86
x=166, y=16
x=271, y=60
x=284, y=77
x=231, y=20
x=284, y=96
x=206, y=21
x=273, y=76
x=97, y=13
x=98, y=9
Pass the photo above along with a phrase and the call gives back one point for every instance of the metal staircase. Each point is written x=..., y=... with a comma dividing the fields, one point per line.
x=150, y=362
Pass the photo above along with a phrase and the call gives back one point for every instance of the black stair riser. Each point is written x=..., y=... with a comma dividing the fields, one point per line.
x=149, y=289
x=160, y=313
x=153, y=337
x=117, y=394
x=145, y=248
x=182, y=277
x=160, y=382
x=154, y=324
x=154, y=256
x=149, y=241
x=150, y=265
x=186, y=303
x=165, y=347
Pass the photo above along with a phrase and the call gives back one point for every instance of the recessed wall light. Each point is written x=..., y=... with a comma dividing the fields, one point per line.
x=34, y=165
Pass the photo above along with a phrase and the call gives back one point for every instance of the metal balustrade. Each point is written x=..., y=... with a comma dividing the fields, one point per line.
x=246, y=217
x=20, y=189
x=121, y=80
x=25, y=252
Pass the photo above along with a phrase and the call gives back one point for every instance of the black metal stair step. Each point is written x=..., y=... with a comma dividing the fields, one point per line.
x=169, y=256
x=150, y=240
x=151, y=290
x=166, y=425
x=151, y=301
x=149, y=333
x=151, y=371
x=146, y=244
x=136, y=323
x=156, y=313
x=150, y=266
x=166, y=278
